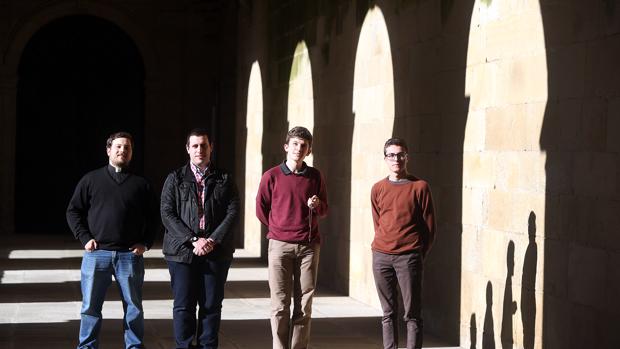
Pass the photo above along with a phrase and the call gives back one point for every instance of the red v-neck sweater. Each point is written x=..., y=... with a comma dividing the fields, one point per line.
x=282, y=203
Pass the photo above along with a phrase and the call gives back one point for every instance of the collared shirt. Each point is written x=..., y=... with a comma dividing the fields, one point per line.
x=200, y=176
x=282, y=203
x=287, y=171
x=119, y=174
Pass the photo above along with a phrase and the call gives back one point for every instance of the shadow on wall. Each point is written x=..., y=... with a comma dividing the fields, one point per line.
x=240, y=180
x=433, y=119
x=510, y=305
x=580, y=136
x=528, y=285
x=473, y=330
x=488, y=334
x=336, y=229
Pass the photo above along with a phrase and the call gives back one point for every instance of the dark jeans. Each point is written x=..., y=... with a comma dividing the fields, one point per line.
x=199, y=283
x=406, y=271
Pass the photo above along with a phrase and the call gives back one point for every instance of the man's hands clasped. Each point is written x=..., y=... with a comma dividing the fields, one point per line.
x=203, y=246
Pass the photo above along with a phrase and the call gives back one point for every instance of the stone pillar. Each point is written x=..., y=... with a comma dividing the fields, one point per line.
x=157, y=143
x=8, y=101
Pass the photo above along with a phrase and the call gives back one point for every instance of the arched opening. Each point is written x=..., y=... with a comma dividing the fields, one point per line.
x=253, y=161
x=80, y=78
x=300, y=111
x=373, y=110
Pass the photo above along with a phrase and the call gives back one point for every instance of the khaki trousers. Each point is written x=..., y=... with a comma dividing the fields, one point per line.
x=292, y=270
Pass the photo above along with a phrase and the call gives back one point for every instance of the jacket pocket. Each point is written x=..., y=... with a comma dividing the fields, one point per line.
x=171, y=246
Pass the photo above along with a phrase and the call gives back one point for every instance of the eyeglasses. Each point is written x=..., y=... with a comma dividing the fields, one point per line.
x=398, y=156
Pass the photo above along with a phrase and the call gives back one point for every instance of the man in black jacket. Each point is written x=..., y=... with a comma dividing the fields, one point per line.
x=199, y=206
x=114, y=215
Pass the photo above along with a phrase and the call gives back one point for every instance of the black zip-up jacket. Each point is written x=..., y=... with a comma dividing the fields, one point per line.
x=179, y=214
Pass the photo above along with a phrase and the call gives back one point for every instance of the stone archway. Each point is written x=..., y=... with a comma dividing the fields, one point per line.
x=373, y=108
x=80, y=79
x=21, y=35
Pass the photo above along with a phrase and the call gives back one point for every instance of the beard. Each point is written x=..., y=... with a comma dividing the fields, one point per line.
x=120, y=162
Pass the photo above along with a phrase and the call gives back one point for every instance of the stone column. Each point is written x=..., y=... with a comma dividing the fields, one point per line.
x=8, y=101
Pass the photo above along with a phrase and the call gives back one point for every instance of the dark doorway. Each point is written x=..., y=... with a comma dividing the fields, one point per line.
x=80, y=79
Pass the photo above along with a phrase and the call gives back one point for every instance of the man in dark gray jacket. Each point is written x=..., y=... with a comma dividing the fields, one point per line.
x=199, y=205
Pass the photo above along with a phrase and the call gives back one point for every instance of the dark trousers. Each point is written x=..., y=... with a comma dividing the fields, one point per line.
x=198, y=283
x=404, y=271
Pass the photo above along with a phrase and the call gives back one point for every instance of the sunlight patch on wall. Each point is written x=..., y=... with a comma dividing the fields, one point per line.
x=503, y=201
x=373, y=110
x=253, y=160
x=300, y=111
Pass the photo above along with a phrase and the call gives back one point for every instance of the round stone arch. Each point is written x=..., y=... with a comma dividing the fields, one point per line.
x=21, y=34
x=27, y=27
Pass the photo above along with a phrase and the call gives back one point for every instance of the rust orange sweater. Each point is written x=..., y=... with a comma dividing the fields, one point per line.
x=403, y=216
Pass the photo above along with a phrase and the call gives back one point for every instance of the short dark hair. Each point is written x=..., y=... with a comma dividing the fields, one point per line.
x=299, y=132
x=198, y=131
x=395, y=141
x=116, y=135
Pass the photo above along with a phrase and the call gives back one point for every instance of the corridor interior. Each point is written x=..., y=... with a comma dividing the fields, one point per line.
x=40, y=303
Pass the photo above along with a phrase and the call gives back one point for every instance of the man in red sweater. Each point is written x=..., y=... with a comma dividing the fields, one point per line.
x=291, y=197
x=404, y=220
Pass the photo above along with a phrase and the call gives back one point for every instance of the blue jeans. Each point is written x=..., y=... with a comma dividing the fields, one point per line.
x=201, y=283
x=97, y=270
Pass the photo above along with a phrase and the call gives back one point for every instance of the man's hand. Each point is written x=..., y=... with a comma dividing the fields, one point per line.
x=138, y=249
x=203, y=246
x=314, y=201
x=91, y=245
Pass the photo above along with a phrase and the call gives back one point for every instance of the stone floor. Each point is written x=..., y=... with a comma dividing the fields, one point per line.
x=40, y=302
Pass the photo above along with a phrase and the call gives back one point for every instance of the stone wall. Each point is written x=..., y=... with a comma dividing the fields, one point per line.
x=503, y=177
x=580, y=137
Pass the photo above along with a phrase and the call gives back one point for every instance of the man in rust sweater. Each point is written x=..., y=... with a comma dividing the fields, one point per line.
x=291, y=197
x=404, y=220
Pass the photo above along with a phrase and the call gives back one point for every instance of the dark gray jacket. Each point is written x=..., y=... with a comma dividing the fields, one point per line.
x=179, y=214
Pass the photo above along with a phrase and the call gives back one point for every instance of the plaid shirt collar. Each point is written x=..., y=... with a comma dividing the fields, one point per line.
x=198, y=173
